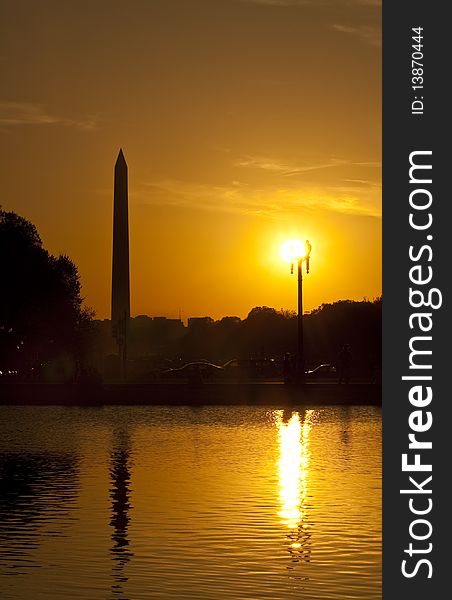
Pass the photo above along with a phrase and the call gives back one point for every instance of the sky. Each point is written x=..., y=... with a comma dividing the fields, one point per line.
x=243, y=122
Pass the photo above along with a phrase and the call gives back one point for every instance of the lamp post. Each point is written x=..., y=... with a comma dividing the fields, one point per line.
x=293, y=250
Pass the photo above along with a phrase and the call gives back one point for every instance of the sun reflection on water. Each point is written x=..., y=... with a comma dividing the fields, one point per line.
x=293, y=470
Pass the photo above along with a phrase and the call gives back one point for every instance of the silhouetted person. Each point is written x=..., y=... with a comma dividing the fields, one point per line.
x=288, y=368
x=195, y=377
x=376, y=374
x=344, y=364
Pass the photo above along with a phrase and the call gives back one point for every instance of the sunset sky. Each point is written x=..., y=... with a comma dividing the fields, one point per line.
x=243, y=123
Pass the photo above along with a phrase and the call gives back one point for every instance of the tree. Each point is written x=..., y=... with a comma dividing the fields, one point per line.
x=41, y=310
x=330, y=326
x=265, y=332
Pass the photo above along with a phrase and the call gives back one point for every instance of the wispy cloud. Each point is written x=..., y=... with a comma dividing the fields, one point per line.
x=370, y=163
x=273, y=202
x=351, y=190
x=367, y=33
x=27, y=113
x=281, y=2
x=363, y=183
x=375, y=3
x=289, y=169
x=262, y=162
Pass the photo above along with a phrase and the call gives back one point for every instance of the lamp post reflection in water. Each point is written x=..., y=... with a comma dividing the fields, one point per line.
x=293, y=471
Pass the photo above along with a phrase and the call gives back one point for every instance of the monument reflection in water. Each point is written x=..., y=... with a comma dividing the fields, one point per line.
x=293, y=470
x=120, y=496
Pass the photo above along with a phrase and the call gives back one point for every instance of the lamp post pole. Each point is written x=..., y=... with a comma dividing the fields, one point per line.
x=292, y=251
x=300, y=345
x=299, y=258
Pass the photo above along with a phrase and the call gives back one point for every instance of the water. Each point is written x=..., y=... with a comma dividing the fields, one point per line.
x=238, y=503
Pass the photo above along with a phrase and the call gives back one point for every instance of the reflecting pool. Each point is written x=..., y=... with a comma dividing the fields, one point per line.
x=197, y=503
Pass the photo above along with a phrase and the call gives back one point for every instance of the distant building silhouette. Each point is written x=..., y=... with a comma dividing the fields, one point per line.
x=120, y=289
x=196, y=322
x=166, y=320
x=162, y=326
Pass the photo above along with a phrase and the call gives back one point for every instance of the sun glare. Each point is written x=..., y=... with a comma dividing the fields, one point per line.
x=292, y=250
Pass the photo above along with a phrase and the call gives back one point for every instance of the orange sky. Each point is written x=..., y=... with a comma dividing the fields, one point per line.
x=243, y=122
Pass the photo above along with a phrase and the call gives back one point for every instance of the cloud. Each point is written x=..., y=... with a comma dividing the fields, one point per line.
x=290, y=169
x=281, y=2
x=261, y=162
x=369, y=33
x=27, y=113
x=372, y=163
x=284, y=195
x=272, y=202
x=375, y=3
x=363, y=183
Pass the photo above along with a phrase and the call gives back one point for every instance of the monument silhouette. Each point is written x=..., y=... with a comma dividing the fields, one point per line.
x=120, y=288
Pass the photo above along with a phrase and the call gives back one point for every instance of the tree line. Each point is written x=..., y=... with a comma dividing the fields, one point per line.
x=269, y=333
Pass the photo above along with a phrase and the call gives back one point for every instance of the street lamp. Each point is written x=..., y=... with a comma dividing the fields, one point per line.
x=294, y=252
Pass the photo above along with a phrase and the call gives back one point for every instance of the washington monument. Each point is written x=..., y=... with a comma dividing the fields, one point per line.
x=120, y=288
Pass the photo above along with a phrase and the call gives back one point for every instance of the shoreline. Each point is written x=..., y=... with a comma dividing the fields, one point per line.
x=184, y=394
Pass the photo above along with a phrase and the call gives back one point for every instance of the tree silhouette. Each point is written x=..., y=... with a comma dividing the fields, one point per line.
x=330, y=326
x=41, y=312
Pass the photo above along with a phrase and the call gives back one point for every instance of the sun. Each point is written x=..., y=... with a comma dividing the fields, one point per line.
x=292, y=250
